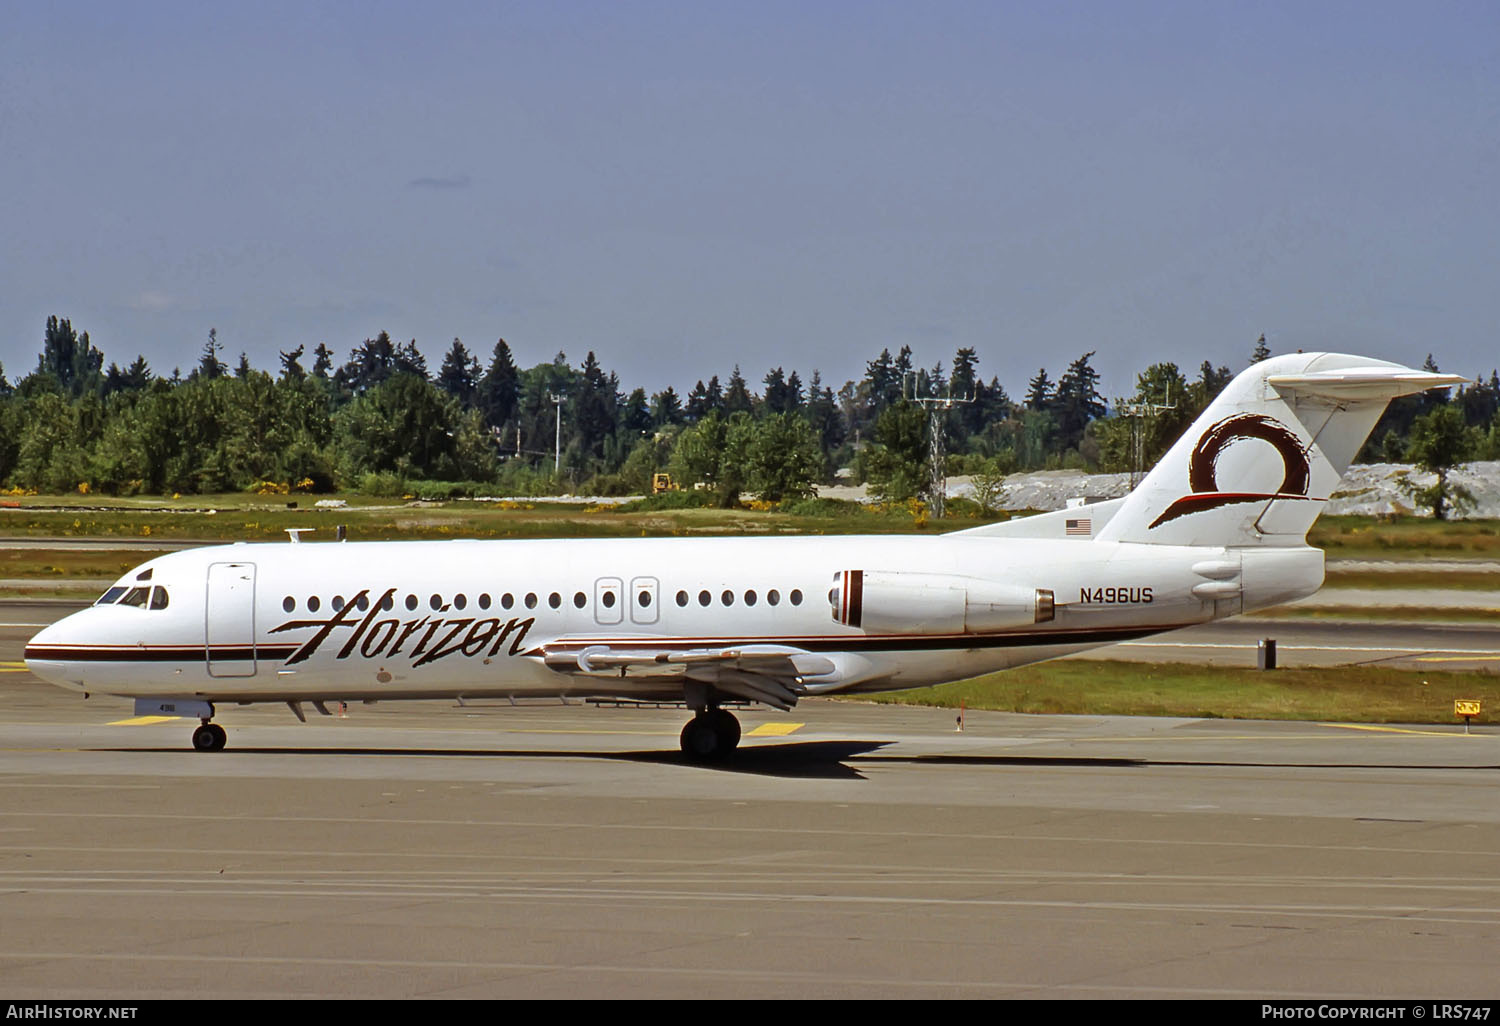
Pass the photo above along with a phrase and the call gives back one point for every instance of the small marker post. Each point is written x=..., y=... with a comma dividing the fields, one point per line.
x=960, y=728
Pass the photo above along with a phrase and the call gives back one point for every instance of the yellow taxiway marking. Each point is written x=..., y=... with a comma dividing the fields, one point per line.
x=1476, y=658
x=775, y=729
x=1393, y=730
x=141, y=721
x=7, y=667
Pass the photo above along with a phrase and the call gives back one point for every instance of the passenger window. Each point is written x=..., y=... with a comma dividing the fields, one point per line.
x=750, y=598
x=580, y=600
x=704, y=598
x=387, y=602
x=313, y=604
x=288, y=604
x=411, y=602
x=796, y=597
x=727, y=598
x=609, y=600
x=682, y=598
x=773, y=596
x=158, y=598
x=643, y=599
x=506, y=600
x=338, y=603
x=459, y=601
x=554, y=600
x=109, y=597
x=531, y=600
x=135, y=597
x=484, y=600
x=363, y=603
x=436, y=602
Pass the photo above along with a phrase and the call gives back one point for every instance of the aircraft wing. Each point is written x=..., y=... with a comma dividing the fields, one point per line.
x=771, y=674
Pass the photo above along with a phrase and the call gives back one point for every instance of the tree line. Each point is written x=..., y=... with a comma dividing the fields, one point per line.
x=382, y=420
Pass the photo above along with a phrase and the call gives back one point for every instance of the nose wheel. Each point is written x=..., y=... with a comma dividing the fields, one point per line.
x=209, y=737
x=711, y=735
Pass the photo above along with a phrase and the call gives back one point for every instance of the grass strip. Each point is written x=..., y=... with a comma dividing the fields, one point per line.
x=1346, y=694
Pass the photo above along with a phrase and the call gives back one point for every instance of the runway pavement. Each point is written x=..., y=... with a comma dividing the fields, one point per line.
x=428, y=850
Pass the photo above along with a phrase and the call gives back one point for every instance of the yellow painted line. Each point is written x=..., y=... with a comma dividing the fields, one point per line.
x=12, y=669
x=775, y=729
x=18, y=664
x=141, y=721
x=1457, y=659
x=1393, y=730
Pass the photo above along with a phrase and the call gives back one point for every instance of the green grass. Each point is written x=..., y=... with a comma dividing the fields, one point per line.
x=1437, y=580
x=1339, y=694
x=1394, y=614
x=240, y=517
x=52, y=564
x=1405, y=538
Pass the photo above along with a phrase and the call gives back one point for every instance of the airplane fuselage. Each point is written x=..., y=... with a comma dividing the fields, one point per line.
x=371, y=621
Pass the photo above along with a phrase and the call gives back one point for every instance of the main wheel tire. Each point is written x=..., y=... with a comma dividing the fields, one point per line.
x=206, y=738
x=221, y=737
x=728, y=729
x=700, y=741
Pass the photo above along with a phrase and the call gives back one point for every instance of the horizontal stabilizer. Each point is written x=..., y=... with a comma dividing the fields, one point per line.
x=1379, y=381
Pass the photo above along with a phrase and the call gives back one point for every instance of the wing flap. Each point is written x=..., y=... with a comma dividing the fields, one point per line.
x=772, y=674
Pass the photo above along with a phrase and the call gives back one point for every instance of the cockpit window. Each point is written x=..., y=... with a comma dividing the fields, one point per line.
x=158, y=598
x=109, y=597
x=136, y=597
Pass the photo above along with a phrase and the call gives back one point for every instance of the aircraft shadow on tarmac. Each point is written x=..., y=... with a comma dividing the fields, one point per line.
x=825, y=760
x=807, y=759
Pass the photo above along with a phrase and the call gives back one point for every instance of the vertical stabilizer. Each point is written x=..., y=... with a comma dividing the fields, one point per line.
x=1261, y=462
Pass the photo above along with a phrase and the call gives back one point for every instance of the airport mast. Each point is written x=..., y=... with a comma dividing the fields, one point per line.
x=1138, y=413
x=937, y=448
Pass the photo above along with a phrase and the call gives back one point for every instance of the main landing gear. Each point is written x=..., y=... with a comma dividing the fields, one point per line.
x=209, y=737
x=711, y=735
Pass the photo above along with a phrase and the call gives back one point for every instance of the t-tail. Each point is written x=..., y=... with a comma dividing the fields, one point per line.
x=1259, y=465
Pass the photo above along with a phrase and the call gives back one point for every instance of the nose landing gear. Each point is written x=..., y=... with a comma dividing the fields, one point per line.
x=209, y=737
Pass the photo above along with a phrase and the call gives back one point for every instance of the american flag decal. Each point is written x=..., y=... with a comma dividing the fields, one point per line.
x=1081, y=528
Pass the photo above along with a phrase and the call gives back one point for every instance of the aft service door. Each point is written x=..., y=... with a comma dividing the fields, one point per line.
x=229, y=620
x=643, y=599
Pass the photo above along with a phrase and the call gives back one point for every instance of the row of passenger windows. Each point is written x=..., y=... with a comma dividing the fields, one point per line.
x=460, y=601
x=750, y=598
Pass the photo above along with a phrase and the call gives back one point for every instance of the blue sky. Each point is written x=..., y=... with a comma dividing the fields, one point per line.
x=681, y=187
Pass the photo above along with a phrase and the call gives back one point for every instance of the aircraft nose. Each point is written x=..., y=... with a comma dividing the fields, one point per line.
x=46, y=654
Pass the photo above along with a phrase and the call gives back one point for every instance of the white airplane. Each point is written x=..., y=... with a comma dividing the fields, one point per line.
x=1217, y=528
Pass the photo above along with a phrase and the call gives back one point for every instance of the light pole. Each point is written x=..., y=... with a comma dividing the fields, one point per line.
x=557, y=436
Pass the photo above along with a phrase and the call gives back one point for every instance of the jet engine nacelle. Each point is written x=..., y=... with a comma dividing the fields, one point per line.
x=887, y=602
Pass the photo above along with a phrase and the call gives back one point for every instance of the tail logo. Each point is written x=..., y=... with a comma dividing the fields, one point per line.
x=1203, y=463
